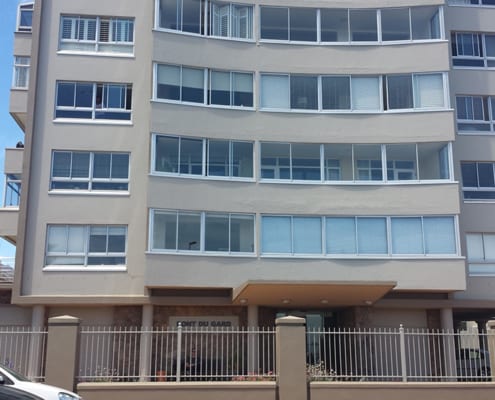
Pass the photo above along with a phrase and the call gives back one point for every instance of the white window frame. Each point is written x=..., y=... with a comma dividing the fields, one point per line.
x=20, y=78
x=112, y=46
x=90, y=180
x=480, y=189
x=23, y=7
x=201, y=248
x=488, y=121
x=204, y=165
x=480, y=266
x=85, y=254
x=482, y=58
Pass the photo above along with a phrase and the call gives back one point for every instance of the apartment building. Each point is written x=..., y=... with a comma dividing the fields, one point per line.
x=224, y=163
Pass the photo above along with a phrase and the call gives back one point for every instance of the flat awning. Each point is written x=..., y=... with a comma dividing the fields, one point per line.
x=310, y=294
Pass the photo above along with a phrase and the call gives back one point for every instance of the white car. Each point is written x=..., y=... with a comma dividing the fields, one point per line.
x=9, y=377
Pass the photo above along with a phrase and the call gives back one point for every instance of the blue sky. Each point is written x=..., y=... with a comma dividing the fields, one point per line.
x=10, y=133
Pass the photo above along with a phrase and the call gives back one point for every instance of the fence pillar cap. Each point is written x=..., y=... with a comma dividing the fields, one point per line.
x=64, y=320
x=290, y=320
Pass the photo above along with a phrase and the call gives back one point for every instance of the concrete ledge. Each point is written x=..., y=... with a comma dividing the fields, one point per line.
x=178, y=391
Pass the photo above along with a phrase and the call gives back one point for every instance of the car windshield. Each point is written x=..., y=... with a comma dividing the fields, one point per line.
x=15, y=374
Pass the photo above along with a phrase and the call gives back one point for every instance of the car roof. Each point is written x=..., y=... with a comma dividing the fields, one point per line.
x=10, y=393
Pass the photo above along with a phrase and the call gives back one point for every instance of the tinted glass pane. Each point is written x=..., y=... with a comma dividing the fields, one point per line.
x=84, y=95
x=275, y=161
x=168, y=82
x=485, y=175
x=164, y=230
x=302, y=24
x=114, y=96
x=338, y=162
x=116, y=239
x=439, y=235
x=167, y=154
x=395, y=24
x=189, y=232
x=80, y=165
x=304, y=92
x=275, y=91
x=242, y=87
x=276, y=235
x=218, y=158
x=306, y=161
x=363, y=25
x=307, y=235
x=336, y=93
x=220, y=88
x=217, y=232
x=98, y=240
x=368, y=162
x=76, y=239
x=191, y=16
x=401, y=162
x=334, y=25
x=425, y=23
x=341, y=235
x=242, y=159
x=66, y=94
x=274, y=23
x=399, y=92
x=242, y=233
x=57, y=239
x=407, y=236
x=61, y=164
x=191, y=156
x=469, y=175
x=101, y=165
x=170, y=14
x=372, y=235
x=120, y=166
x=193, y=85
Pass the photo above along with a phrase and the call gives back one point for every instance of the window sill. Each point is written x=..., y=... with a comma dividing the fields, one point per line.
x=95, y=268
x=96, y=54
x=476, y=133
x=351, y=43
x=358, y=183
x=200, y=254
x=20, y=88
x=83, y=121
x=364, y=257
x=377, y=112
x=475, y=201
x=198, y=35
x=214, y=106
x=202, y=177
x=98, y=193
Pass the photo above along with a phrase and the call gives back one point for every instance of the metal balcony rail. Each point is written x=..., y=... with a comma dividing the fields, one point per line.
x=410, y=355
x=22, y=346
x=7, y=269
x=178, y=355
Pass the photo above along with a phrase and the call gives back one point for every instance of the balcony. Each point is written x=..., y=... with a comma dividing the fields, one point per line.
x=9, y=213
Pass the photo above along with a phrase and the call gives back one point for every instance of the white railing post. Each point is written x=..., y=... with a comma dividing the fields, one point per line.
x=403, y=362
x=179, y=352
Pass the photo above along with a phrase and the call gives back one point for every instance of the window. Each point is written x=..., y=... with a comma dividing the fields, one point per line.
x=86, y=245
x=73, y=170
x=478, y=180
x=202, y=157
x=21, y=72
x=231, y=20
x=358, y=236
x=475, y=114
x=184, y=231
x=350, y=25
x=415, y=91
x=12, y=192
x=471, y=2
x=25, y=17
x=473, y=49
x=358, y=162
x=188, y=85
x=96, y=101
x=481, y=253
x=228, y=20
x=352, y=93
x=96, y=34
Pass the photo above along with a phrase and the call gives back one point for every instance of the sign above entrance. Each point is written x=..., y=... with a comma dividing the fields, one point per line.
x=204, y=322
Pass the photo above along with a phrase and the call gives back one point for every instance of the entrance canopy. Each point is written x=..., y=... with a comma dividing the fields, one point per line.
x=310, y=294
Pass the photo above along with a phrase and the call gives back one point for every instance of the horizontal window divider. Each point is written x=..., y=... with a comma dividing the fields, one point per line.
x=93, y=268
x=201, y=177
x=201, y=254
x=359, y=183
x=351, y=43
x=384, y=257
x=488, y=201
x=99, y=54
x=75, y=192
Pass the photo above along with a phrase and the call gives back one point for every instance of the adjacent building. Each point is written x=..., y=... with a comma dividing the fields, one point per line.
x=203, y=160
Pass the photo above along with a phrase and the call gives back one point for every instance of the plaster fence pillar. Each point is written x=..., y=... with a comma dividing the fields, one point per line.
x=62, y=351
x=252, y=322
x=291, y=358
x=145, y=343
x=36, y=342
x=447, y=321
